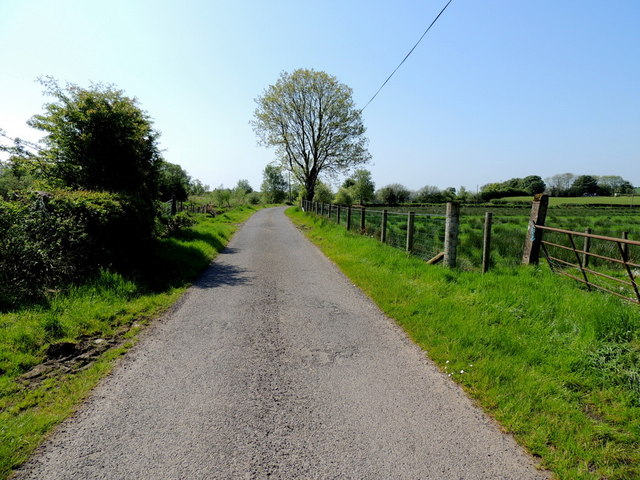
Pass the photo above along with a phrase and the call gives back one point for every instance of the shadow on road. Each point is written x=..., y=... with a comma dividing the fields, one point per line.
x=220, y=274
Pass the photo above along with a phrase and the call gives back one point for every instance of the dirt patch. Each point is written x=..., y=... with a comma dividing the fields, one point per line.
x=71, y=357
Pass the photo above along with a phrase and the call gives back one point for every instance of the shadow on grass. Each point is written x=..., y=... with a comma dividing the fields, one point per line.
x=170, y=264
x=191, y=235
x=154, y=267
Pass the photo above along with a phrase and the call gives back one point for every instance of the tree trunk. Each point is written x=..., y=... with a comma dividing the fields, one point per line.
x=310, y=187
x=310, y=193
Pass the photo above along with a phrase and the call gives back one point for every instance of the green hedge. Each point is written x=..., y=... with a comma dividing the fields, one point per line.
x=48, y=239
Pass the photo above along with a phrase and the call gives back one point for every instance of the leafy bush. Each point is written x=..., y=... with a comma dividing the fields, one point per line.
x=50, y=239
x=170, y=224
x=253, y=198
x=343, y=197
x=393, y=194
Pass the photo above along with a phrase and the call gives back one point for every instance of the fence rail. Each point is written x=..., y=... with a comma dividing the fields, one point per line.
x=625, y=283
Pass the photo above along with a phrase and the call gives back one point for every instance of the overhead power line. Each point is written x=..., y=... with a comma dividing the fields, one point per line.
x=407, y=55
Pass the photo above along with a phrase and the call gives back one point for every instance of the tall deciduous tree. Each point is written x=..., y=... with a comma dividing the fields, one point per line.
x=393, y=194
x=274, y=185
x=614, y=184
x=585, y=185
x=560, y=184
x=323, y=193
x=311, y=120
x=363, y=187
x=173, y=182
x=98, y=139
x=533, y=184
x=243, y=186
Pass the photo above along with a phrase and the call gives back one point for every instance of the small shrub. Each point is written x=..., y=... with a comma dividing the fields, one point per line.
x=253, y=198
x=174, y=223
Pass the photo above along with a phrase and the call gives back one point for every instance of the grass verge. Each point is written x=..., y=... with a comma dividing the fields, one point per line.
x=557, y=366
x=52, y=356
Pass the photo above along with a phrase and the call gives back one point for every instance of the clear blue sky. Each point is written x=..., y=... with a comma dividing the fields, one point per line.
x=497, y=89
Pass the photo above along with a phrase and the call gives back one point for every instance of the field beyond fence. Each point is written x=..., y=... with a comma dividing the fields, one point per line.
x=508, y=230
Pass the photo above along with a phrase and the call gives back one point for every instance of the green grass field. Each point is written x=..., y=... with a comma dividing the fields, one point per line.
x=110, y=308
x=557, y=366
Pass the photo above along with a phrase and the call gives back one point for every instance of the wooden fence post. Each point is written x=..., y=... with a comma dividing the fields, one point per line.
x=452, y=226
x=349, y=217
x=363, y=224
x=486, y=242
x=533, y=241
x=625, y=246
x=383, y=227
x=586, y=247
x=410, y=221
x=338, y=214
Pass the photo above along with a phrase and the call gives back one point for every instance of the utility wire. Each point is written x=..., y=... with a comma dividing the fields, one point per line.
x=18, y=141
x=407, y=56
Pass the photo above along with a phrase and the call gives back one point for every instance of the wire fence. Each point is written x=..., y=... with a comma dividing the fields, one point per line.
x=604, y=263
x=429, y=235
x=427, y=238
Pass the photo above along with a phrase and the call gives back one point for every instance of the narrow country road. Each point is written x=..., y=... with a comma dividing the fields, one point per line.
x=275, y=366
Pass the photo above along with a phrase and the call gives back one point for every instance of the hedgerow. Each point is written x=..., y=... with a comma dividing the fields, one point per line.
x=49, y=239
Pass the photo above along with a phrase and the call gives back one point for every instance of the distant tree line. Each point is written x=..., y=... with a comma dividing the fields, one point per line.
x=359, y=188
x=570, y=185
x=512, y=188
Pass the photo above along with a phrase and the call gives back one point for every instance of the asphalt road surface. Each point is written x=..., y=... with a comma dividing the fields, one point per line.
x=275, y=366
